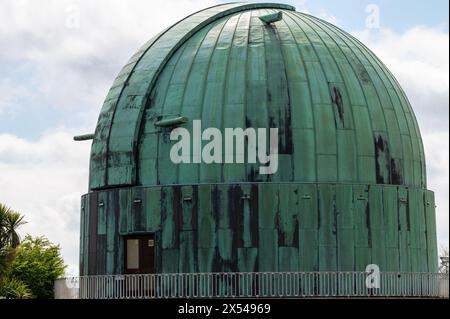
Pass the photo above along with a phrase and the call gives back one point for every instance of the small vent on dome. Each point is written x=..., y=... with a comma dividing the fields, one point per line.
x=271, y=18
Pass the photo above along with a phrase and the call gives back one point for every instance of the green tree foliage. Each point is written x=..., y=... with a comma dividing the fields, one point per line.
x=27, y=269
x=7, y=255
x=13, y=288
x=10, y=221
x=37, y=264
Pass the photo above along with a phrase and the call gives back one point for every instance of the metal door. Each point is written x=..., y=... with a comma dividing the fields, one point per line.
x=140, y=254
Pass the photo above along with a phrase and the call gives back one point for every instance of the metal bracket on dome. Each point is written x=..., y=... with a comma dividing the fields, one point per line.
x=172, y=121
x=271, y=18
x=84, y=137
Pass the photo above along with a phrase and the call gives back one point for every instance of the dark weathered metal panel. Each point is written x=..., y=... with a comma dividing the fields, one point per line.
x=363, y=235
x=226, y=250
x=187, y=261
x=287, y=223
x=308, y=218
x=112, y=232
x=268, y=252
x=288, y=259
x=169, y=219
x=382, y=159
x=422, y=230
x=345, y=221
x=125, y=203
x=206, y=221
x=222, y=207
x=205, y=258
x=391, y=224
x=138, y=218
x=247, y=259
x=103, y=208
x=170, y=260
x=82, y=235
x=404, y=228
x=432, y=252
x=377, y=229
x=100, y=258
x=239, y=209
x=268, y=204
x=341, y=106
x=92, y=233
x=327, y=228
x=189, y=207
x=413, y=229
x=153, y=208
x=278, y=99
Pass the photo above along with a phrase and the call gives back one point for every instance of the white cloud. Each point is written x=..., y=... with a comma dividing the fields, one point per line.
x=10, y=93
x=44, y=180
x=76, y=48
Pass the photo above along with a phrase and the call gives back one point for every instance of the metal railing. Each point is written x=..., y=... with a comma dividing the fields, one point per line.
x=257, y=285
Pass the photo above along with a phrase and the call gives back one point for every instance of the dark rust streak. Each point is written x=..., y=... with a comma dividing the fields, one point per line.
x=408, y=216
x=336, y=98
x=396, y=172
x=177, y=214
x=116, y=212
x=93, y=221
x=369, y=227
x=254, y=215
x=382, y=155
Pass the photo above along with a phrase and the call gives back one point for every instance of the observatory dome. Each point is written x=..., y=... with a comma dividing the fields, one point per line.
x=350, y=185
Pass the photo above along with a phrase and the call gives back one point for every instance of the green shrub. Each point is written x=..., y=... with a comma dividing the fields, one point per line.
x=37, y=264
x=12, y=288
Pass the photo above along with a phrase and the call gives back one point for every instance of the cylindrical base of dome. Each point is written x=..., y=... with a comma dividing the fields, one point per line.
x=258, y=227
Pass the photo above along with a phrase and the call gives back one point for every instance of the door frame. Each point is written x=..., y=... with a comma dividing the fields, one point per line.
x=139, y=236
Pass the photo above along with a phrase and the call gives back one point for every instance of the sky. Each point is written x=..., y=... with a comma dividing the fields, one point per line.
x=58, y=59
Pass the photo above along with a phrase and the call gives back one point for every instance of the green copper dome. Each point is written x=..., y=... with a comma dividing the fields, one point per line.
x=342, y=116
x=350, y=188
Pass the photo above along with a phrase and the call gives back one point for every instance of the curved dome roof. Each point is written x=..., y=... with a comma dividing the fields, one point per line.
x=342, y=116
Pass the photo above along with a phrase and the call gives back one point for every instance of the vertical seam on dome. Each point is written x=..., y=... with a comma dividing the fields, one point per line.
x=162, y=113
x=416, y=125
x=364, y=92
x=388, y=76
x=268, y=178
x=372, y=83
x=303, y=17
x=405, y=105
x=225, y=87
x=245, y=100
x=210, y=26
x=246, y=77
x=316, y=172
x=374, y=59
x=283, y=56
x=205, y=81
x=348, y=94
x=252, y=53
x=235, y=7
x=144, y=51
x=325, y=76
x=142, y=125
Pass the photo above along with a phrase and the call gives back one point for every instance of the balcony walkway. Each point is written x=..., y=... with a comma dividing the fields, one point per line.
x=256, y=285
